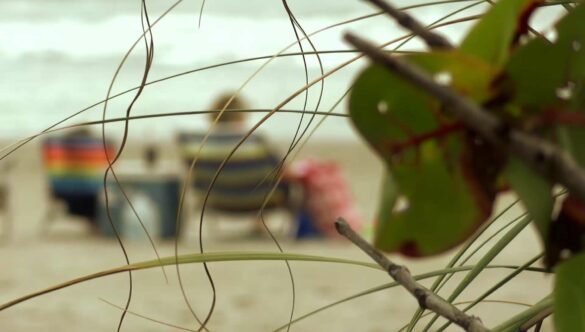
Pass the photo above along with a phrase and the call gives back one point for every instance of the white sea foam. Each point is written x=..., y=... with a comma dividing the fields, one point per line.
x=58, y=56
x=178, y=41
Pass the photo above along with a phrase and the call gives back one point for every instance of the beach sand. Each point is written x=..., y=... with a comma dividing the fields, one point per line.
x=251, y=295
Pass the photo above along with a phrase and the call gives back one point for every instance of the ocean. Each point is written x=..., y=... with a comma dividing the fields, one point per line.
x=57, y=57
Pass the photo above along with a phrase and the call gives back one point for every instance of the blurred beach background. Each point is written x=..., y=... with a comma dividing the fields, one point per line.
x=58, y=57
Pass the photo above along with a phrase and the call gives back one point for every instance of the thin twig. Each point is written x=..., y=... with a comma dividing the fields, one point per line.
x=549, y=160
x=426, y=299
x=537, y=319
x=432, y=39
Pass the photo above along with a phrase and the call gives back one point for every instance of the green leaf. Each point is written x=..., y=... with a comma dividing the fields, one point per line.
x=569, y=298
x=567, y=232
x=534, y=192
x=572, y=139
x=389, y=196
x=386, y=109
x=547, y=75
x=548, y=80
x=492, y=37
x=533, y=83
x=440, y=211
x=428, y=154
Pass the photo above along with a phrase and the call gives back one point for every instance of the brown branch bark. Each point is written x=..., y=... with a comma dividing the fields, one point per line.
x=547, y=159
x=433, y=40
x=426, y=299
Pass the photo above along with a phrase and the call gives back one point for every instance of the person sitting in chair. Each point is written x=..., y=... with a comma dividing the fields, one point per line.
x=246, y=181
x=75, y=165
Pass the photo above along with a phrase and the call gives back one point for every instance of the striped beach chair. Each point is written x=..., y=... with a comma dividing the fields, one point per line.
x=245, y=181
x=75, y=168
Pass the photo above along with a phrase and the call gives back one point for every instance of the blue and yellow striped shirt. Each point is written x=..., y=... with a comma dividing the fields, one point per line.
x=246, y=179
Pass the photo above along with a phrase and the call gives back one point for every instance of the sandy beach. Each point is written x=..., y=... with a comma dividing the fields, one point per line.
x=251, y=296
x=59, y=57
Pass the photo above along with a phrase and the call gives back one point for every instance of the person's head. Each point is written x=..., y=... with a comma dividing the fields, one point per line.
x=79, y=132
x=229, y=116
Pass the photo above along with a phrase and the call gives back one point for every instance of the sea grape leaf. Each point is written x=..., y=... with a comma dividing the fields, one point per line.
x=389, y=111
x=440, y=210
x=533, y=83
x=389, y=195
x=574, y=142
x=567, y=232
x=534, y=191
x=492, y=37
x=569, y=295
x=543, y=75
x=428, y=154
x=546, y=80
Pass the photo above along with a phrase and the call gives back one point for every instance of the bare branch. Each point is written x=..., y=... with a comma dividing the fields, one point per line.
x=432, y=39
x=536, y=320
x=547, y=159
x=426, y=299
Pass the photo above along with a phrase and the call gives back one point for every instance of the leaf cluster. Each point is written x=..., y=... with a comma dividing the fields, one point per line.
x=442, y=178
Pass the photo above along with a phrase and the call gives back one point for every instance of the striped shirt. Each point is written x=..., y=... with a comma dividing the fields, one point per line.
x=246, y=179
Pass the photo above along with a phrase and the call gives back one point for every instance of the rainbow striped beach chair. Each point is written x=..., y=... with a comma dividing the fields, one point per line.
x=75, y=168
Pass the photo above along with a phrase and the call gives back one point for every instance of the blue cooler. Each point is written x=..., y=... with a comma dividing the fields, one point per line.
x=154, y=196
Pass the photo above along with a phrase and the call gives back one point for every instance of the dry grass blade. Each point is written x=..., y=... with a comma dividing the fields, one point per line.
x=231, y=153
x=428, y=275
x=157, y=321
x=149, y=47
x=16, y=145
x=497, y=286
x=190, y=259
x=401, y=274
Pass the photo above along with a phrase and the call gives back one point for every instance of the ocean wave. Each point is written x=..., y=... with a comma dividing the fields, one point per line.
x=178, y=41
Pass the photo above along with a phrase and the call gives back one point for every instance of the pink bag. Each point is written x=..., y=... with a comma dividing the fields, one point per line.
x=327, y=194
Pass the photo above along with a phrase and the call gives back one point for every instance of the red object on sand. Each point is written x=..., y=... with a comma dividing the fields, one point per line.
x=327, y=194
